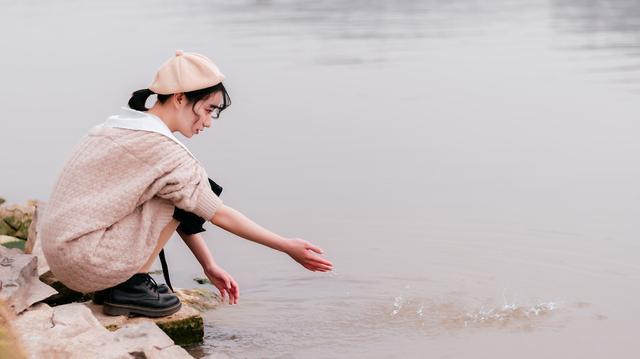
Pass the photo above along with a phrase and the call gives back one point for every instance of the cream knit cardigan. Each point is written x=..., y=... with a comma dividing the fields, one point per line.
x=112, y=199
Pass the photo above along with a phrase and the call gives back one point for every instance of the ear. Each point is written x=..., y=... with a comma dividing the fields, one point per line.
x=179, y=99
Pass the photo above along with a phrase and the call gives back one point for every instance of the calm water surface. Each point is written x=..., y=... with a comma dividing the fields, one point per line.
x=470, y=167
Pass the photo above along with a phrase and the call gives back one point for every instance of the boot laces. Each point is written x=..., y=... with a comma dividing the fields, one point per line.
x=151, y=283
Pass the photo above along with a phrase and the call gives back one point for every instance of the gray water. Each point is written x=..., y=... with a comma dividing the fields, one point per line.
x=468, y=166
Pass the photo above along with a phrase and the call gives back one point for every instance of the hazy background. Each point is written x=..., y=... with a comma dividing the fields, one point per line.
x=470, y=167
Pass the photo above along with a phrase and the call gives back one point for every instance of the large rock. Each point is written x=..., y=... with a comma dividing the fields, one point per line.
x=19, y=283
x=71, y=331
x=184, y=327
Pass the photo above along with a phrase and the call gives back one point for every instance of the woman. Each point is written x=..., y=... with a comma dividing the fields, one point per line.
x=130, y=184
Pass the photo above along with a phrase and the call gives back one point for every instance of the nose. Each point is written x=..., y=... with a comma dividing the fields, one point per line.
x=207, y=123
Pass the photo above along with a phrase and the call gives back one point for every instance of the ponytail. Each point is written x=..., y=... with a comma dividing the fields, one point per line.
x=139, y=98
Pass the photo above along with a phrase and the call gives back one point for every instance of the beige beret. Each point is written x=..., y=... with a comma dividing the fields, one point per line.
x=185, y=72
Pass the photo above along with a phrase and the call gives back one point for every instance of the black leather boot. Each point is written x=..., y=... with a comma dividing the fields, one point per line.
x=139, y=296
x=101, y=295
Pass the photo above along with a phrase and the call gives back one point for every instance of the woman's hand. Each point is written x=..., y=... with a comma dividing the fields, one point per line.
x=224, y=282
x=306, y=254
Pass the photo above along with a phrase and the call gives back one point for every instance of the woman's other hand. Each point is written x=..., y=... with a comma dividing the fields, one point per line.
x=306, y=254
x=225, y=284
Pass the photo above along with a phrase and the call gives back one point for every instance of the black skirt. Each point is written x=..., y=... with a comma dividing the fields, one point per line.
x=191, y=223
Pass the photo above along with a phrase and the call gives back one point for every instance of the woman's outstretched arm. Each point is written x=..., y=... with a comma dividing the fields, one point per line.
x=300, y=250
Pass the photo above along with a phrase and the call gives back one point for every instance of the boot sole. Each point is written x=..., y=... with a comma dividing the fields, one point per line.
x=101, y=299
x=128, y=310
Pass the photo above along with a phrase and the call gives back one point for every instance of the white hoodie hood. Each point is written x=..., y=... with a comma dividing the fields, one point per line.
x=137, y=120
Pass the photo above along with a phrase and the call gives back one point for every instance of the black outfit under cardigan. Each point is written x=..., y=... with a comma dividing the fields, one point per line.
x=190, y=223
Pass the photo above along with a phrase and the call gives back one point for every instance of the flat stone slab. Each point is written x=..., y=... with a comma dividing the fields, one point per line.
x=184, y=327
x=19, y=283
x=72, y=331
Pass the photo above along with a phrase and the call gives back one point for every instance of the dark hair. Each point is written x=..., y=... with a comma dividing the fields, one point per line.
x=139, y=98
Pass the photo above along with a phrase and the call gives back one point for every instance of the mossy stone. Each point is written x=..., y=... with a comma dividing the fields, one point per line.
x=184, y=332
x=23, y=230
x=12, y=221
x=5, y=229
x=112, y=327
x=16, y=227
x=201, y=280
x=15, y=244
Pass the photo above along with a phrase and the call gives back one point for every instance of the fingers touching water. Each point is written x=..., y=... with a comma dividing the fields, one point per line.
x=228, y=287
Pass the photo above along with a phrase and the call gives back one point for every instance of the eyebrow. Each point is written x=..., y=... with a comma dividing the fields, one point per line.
x=214, y=106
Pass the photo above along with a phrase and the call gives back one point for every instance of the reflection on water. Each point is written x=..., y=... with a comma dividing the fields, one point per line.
x=603, y=28
x=375, y=21
x=617, y=22
x=362, y=32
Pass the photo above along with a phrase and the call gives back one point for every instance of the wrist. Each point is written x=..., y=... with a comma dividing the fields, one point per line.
x=210, y=267
x=284, y=245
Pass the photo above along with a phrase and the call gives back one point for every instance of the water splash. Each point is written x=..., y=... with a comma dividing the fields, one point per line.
x=509, y=312
x=397, y=305
x=439, y=316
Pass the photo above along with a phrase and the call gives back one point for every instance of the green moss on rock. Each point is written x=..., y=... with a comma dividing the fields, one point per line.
x=15, y=244
x=186, y=331
x=5, y=229
x=15, y=219
x=201, y=280
x=12, y=221
x=23, y=230
x=112, y=327
x=16, y=226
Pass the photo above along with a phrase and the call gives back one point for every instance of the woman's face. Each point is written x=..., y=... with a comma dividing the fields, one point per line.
x=193, y=119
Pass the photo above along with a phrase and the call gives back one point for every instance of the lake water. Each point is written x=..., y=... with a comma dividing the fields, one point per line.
x=468, y=166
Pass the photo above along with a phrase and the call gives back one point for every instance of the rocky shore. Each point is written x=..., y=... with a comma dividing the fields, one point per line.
x=40, y=317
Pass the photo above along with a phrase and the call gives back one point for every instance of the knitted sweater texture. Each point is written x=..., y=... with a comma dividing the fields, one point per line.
x=114, y=196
